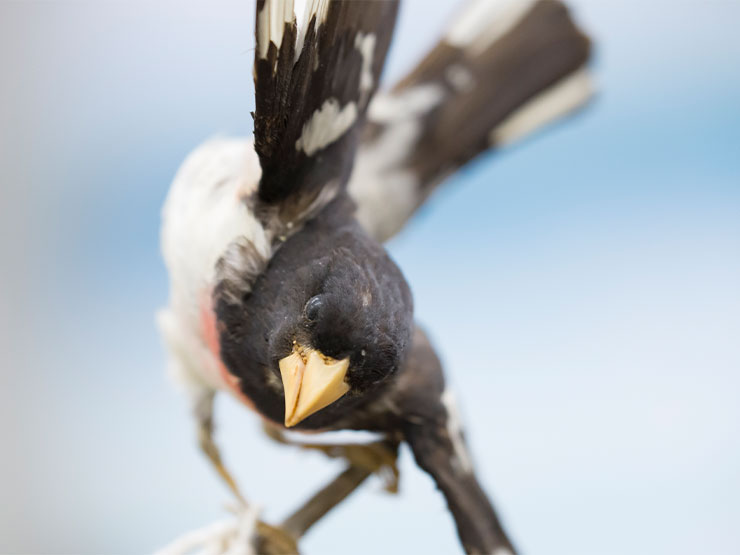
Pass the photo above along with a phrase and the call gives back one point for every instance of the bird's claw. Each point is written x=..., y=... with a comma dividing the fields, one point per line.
x=378, y=458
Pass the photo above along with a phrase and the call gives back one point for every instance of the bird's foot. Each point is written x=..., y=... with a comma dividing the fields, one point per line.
x=210, y=449
x=378, y=457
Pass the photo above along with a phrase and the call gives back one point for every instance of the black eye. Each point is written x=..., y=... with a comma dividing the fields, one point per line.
x=312, y=308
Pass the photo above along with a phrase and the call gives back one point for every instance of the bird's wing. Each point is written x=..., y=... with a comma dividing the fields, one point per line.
x=504, y=69
x=314, y=76
x=431, y=426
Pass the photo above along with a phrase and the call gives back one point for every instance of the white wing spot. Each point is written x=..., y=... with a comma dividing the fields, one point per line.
x=454, y=428
x=410, y=103
x=378, y=173
x=326, y=125
x=460, y=77
x=486, y=21
x=366, y=45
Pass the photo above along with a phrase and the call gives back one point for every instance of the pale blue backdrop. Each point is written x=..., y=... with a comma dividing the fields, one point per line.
x=583, y=288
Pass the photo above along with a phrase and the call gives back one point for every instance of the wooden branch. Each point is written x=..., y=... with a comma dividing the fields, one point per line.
x=324, y=500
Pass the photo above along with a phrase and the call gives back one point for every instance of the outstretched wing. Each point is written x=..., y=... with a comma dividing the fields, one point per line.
x=504, y=69
x=314, y=77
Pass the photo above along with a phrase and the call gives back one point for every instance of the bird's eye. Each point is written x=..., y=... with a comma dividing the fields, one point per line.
x=312, y=308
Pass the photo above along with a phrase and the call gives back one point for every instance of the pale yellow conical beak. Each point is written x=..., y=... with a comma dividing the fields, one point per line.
x=311, y=382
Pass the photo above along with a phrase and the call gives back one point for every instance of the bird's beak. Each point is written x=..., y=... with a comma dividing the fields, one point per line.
x=311, y=381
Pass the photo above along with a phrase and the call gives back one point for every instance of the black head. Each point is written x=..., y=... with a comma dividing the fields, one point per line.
x=345, y=307
x=327, y=291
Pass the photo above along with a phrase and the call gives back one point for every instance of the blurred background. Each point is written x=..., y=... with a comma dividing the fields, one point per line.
x=583, y=289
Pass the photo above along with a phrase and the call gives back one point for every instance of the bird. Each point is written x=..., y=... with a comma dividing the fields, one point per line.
x=281, y=292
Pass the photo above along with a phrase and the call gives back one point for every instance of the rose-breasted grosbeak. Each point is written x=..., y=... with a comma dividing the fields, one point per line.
x=281, y=292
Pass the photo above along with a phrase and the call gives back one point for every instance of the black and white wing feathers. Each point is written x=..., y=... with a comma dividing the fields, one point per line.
x=504, y=69
x=313, y=81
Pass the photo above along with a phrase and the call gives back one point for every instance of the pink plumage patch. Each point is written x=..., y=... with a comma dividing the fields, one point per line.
x=209, y=329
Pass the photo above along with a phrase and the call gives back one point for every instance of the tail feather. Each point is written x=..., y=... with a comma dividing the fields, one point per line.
x=502, y=71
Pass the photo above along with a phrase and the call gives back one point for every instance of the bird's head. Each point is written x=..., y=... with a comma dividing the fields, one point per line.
x=345, y=329
x=328, y=322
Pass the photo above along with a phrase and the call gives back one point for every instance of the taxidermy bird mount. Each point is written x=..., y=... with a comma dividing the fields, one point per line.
x=281, y=293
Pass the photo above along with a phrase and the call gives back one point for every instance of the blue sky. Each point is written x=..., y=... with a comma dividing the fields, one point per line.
x=582, y=287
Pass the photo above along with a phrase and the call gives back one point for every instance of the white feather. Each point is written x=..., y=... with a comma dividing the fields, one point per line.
x=202, y=215
x=326, y=125
x=271, y=22
x=483, y=22
x=386, y=193
x=564, y=96
x=462, y=460
x=410, y=103
x=305, y=10
x=365, y=43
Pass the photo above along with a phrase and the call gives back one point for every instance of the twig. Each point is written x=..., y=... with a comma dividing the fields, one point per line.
x=324, y=500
